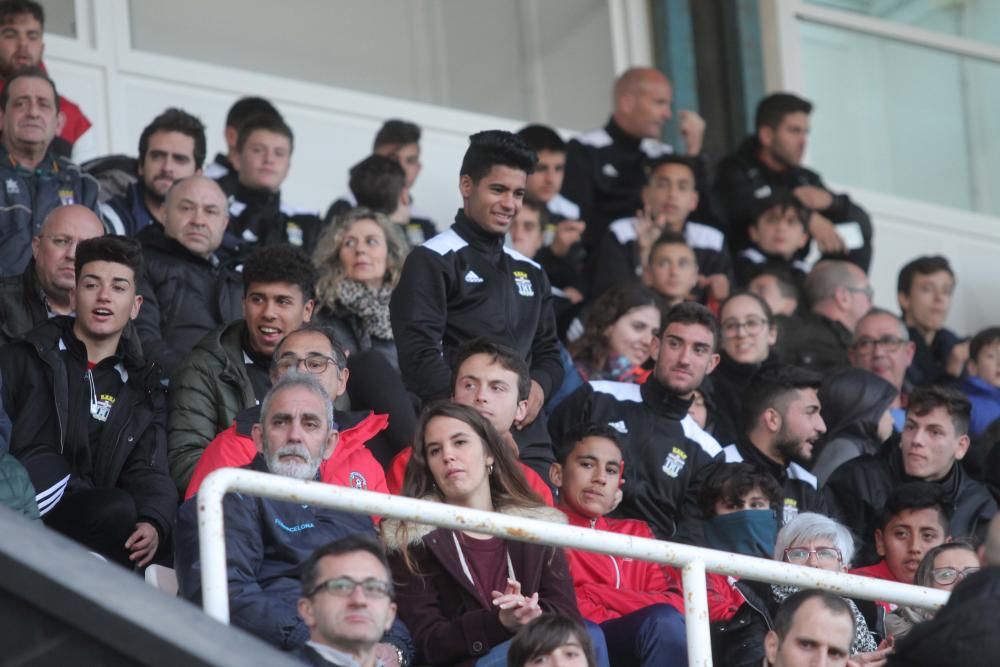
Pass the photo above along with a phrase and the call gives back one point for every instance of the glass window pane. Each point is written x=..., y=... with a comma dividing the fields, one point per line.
x=60, y=17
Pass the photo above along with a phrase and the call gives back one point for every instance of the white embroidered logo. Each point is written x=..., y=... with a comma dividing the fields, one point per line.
x=473, y=277
x=12, y=187
x=619, y=426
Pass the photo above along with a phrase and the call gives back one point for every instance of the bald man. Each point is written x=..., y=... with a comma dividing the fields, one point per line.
x=45, y=289
x=604, y=167
x=189, y=283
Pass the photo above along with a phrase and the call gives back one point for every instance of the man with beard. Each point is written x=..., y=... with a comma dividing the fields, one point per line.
x=783, y=423
x=267, y=541
x=171, y=148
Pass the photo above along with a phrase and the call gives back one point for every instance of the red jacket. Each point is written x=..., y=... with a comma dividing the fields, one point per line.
x=397, y=471
x=724, y=599
x=351, y=464
x=608, y=587
x=879, y=570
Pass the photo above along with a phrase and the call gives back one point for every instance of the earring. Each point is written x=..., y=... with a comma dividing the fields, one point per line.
x=489, y=469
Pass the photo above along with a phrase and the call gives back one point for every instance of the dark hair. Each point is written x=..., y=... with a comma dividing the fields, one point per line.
x=689, y=312
x=591, y=349
x=914, y=496
x=26, y=73
x=654, y=165
x=280, y=263
x=785, y=616
x=923, y=266
x=345, y=545
x=339, y=355
x=924, y=399
x=246, y=108
x=578, y=433
x=923, y=574
x=376, y=183
x=544, y=635
x=783, y=200
x=507, y=357
x=542, y=138
x=983, y=339
x=176, y=120
x=669, y=237
x=496, y=147
x=116, y=249
x=729, y=482
x=772, y=109
x=538, y=205
x=750, y=295
x=11, y=9
x=274, y=124
x=395, y=132
x=770, y=387
x=782, y=276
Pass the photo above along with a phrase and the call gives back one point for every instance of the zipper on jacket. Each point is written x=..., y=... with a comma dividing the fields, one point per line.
x=614, y=563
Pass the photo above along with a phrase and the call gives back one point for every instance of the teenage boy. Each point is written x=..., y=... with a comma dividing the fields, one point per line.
x=222, y=168
x=527, y=231
x=669, y=196
x=379, y=183
x=924, y=291
x=672, y=270
x=778, y=237
x=982, y=384
x=88, y=414
x=637, y=604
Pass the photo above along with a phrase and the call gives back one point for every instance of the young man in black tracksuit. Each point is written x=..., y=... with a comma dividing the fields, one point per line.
x=89, y=414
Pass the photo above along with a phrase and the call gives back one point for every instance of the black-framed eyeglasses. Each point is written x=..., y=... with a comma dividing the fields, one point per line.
x=799, y=555
x=950, y=575
x=342, y=587
x=866, y=344
x=314, y=363
x=752, y=325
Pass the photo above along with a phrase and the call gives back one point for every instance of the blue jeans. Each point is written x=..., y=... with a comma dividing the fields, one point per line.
x=497, y=657
x=653, y=636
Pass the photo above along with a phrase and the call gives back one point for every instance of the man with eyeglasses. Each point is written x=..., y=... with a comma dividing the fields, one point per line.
x=45, y=289
x=882, y=346
x=347, y=603
x=268, y=541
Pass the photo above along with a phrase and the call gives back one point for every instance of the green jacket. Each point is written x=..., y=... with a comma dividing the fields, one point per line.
x=207, y=390
x=16, y=491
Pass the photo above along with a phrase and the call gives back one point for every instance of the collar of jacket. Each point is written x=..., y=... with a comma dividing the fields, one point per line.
x=155, y=236
x=476, y=236
x=49, y=166
x=254, y=198
x=735, y=371
x=843, y=334
x=754, y=456
x=135, y=195
x=577, y=519
x=663, y=402
x=620, y=137
x=46, y=336
x=950, y=484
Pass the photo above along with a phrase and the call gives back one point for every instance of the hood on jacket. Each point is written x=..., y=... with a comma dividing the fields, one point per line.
x=853, y=401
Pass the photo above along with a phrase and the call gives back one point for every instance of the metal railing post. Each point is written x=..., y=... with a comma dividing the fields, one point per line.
x=699, y=636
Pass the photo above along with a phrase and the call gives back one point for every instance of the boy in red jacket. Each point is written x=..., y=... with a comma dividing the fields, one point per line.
x=638, y=604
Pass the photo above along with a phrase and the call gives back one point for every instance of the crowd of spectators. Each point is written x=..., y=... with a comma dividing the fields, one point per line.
x=609, y=335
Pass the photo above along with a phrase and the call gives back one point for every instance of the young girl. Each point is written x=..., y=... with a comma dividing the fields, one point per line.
x=618, y=334
x=463, y=594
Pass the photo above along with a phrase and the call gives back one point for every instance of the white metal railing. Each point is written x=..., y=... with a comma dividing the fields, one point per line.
x=694, y=561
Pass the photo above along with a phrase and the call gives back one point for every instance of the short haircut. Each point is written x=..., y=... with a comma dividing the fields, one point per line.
x=653, y=165
x=924, y=576
x=345, y=545
x=296, y=380
x=542, y=138
x=116, y=249
x=904, y=331
x=827, y=277
x=783, y=200
x=924, y=266
x=809, y=526
x=376, y=183
x=729, y=482
x=983, y=339
x=492, y=148
x=26, y=73
x=508, y=358
x=339, y=355
x=536, y=205
x=248, y=107
x=395, y=132
x=914, y=496
x=669, y=237
x=774, y=386
x=784, y=619
x=11, y=9
x=689, y=312
x=782, y=277
x=924, y=399
x=176, y=120
x=274, y=124
x=280, y=263
x=772, y=109
x=544, y=635
x=579, y=432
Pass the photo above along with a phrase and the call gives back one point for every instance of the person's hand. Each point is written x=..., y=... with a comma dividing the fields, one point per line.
x=691, y=127
x=814, y=197
x=825, y=233
x=143, y=543
x=648, y=227
x=957, y=359
x=574, y=295
x=515, y=609
x=567, y=233
x=385, y=654
x=876, y=658
x=717, y=285
x=536, y=399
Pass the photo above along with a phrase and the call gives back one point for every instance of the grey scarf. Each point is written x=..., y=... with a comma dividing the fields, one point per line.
x=370, y=305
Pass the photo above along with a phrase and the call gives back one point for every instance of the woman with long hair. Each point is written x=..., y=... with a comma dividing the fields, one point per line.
x=618, y=334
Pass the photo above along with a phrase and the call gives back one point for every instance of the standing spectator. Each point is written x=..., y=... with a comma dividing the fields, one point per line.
x=982, y=384
x=618, y=335
x=222, y=168
x=882, y=346
x=37, y=180
x=924, y=291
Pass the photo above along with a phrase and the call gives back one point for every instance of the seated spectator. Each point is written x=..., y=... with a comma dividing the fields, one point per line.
x=934, y=440
x=37, y=179
x=313, y=350
x=379, y=183
x=257, y=214
x=776, y=286
x=345, y=625
x=811, y=627
x=669, y=197
x=16, y=490
x=45, y=289
x=88, y=414
x=639, y=605
x=171, y=148
x=782, y=422
x=400, y=140
x=228, y=370
x=268, y=541
x=552, y=640
x=778, y=237
x=618, y=335
x=839, y=294
x=882, y=346
x=672, y=269
x=463, y=594
x=856, y=411
x=527, y=230
x=982, y=384
x=222, y=169
x=924, y=292
x=190, y=285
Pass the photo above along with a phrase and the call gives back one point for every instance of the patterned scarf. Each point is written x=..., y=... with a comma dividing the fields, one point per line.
x=864, y=641
x=370, y=305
